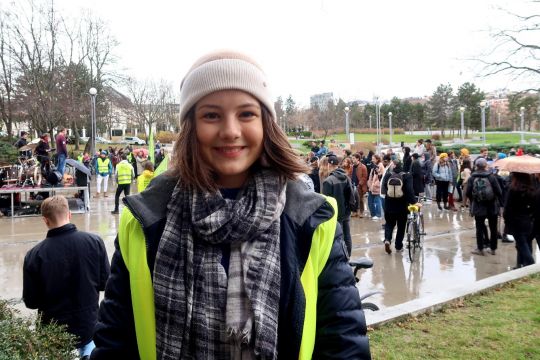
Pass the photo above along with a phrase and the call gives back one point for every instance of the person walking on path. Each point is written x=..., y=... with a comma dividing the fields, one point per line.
x=443, y=177
x=427, y=170
x=124, y=177
x=454, y=166
x=519, y=210
x=374, y=187
x=417, y=175
x=360, y=178
x=485, y=194
x=397, y=185
x=103, y=170
x=61, y=150
x=465, y=175
x=228, y=255
x=338, y=186
x=63, y=274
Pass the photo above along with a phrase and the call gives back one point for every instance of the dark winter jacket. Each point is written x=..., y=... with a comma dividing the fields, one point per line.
x=417, y=176
x=398, y=205
x=42, y=149
x=338, y=186
x=485, y=208
x=407, y=163
x=341, y=327
x=314, y=175
x=62, y=278
x=519, y=211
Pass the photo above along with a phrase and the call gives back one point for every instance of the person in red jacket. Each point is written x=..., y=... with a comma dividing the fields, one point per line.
x=359, y=179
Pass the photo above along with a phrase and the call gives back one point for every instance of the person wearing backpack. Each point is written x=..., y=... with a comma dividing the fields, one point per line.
x=397, y=185
x=485, y=195
x=374, y=188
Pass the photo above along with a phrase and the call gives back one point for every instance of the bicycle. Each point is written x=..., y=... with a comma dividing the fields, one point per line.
x=364, y=263
x=415, y=231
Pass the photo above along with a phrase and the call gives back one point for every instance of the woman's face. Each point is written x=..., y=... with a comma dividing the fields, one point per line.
x=230, y=134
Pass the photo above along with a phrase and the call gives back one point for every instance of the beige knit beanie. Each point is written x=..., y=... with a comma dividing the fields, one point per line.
x=224, y=70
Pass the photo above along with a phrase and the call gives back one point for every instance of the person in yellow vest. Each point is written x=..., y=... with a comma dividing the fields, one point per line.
x=144, y=179
x=80, y=158
x=124, y=176
x=103, y=170
x=228, y=255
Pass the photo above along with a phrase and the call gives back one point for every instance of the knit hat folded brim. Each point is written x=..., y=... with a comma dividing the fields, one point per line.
x=224, y=71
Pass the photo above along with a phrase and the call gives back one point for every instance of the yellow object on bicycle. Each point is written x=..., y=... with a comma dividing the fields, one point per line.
x=413, y=208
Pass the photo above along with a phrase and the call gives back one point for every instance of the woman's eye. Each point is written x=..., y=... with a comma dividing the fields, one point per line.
x=211, y=116
x=247, y=114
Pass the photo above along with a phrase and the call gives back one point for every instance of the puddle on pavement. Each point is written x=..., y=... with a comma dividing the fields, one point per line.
x=445, y=263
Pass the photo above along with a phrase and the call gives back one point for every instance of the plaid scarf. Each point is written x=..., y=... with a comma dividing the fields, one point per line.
x=200, y=311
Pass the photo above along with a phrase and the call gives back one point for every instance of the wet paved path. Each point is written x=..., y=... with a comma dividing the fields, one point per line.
x=446, y=261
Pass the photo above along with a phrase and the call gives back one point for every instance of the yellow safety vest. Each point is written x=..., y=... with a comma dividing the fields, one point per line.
x=133, y=248
x=124, y=171
x=103, y=165
x=143, y=180
x=80, y=158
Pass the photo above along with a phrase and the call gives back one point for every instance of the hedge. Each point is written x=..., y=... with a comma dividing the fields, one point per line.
x=475, y=149
x=21, y=338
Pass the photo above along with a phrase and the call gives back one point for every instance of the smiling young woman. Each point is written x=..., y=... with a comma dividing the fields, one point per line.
x=228, y=255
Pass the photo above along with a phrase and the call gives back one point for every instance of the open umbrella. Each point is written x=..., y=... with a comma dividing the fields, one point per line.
x=79, y=166
x=523, y=164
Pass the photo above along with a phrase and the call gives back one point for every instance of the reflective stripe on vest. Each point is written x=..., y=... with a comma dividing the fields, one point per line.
x=321, y=245
x=133, y=249
x=124, y=173
x=103, y=165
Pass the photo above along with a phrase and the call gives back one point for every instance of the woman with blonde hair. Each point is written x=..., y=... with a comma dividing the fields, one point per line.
x=228, y=256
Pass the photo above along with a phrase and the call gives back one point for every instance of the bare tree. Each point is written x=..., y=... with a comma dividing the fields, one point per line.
x=6, y=76
x=516, y=50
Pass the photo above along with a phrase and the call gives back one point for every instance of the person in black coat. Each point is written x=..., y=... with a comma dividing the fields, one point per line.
x=484, y=209
x=63, y=274
x=417, y=175
x=519, y=210
x=314, y=174
x=407, y=161
x=395, y=208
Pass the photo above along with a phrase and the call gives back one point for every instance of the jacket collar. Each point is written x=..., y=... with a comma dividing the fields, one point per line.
x=150, y=206
x=62, y=230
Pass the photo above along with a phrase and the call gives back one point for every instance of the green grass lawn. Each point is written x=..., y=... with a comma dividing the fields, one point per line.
x=503, y=323
x=498, y=138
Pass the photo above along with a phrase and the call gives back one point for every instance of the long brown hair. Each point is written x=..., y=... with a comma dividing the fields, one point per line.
x=277, y=155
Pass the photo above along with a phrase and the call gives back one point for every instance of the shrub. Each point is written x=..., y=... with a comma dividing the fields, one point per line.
x=166, y=137
x=475, y=149
x=8, y=152
x=21, y=339
x=436, y=137
x=501, y=129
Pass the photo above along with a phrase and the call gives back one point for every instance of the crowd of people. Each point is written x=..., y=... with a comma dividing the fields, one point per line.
x=228, y=255
x=453, y=181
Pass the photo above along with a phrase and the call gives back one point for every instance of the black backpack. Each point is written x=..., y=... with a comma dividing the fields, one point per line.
x=482, y=189
x=394, y=186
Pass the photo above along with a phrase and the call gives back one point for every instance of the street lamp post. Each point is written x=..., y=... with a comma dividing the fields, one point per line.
x=522, y=115
x=483, y=108
x=347, y=110
x=390, y=126
x=377, y=122
x=370, y=121
x=93, y=93
x=462, y=111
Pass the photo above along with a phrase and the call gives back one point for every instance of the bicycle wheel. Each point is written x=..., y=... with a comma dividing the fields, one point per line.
x=410, y=239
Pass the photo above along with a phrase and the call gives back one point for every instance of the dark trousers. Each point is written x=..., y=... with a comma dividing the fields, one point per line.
x=391, y=220
x=361, y=205
x=442, y=191
x=480, y=231
x=345, y=226
x=524, y=248
x=119, y=189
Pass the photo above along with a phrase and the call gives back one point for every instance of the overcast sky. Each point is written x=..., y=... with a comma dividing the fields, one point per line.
x=353, y=48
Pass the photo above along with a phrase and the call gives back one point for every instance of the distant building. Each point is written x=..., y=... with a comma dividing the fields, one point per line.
x=321, y=100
